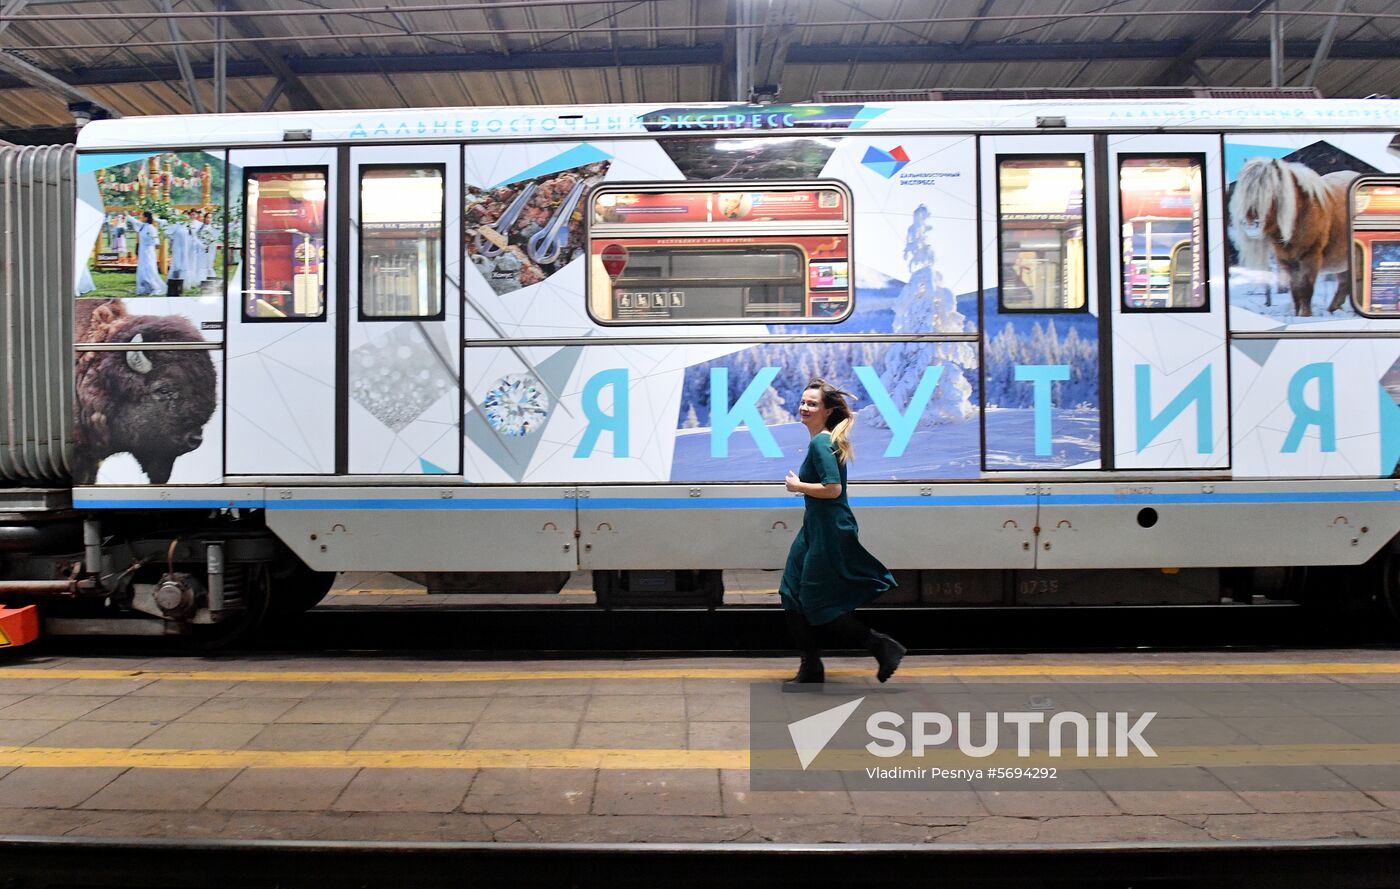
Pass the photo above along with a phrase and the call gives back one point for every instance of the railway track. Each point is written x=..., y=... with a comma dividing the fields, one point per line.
x=507, y=632
x=49, y=863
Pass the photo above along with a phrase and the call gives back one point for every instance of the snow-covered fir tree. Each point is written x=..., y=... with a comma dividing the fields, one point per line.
x=1044, y=345
x=926, y=305
x=771, y=407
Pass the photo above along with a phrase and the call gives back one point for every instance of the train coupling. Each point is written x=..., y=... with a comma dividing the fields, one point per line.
x=18, y=626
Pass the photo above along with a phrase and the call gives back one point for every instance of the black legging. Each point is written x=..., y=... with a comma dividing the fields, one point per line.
x=843, y=632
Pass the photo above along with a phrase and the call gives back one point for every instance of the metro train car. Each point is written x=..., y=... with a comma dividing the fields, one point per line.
x=1101, y=351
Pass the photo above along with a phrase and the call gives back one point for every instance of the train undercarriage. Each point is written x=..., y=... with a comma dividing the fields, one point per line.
x=214, y=577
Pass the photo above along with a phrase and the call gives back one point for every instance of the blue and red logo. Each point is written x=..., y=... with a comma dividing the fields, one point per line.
x=886, y=163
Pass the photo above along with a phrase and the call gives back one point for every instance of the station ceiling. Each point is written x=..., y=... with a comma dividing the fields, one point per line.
x=138, y=57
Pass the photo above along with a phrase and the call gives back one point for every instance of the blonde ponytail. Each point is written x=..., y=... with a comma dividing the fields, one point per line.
x=841, y=418
x=841, y=438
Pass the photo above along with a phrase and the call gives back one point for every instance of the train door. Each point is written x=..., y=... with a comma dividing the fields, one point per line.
x=1041, y=327
x=1167, y=292
x=404, y=348
x=281, y=332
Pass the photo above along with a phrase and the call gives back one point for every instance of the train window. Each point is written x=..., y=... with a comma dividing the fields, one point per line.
x=1040, y=233
x=756, y=252
x=1162, y=210
x=401, y=255
x=284, y=269
x=1375, y=232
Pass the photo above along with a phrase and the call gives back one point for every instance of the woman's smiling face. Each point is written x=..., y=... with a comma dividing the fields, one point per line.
x=811, y=412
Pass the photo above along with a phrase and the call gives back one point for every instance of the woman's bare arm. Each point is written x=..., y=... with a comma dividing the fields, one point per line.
x=812, y=489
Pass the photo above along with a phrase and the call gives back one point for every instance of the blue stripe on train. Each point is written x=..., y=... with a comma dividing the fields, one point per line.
x=901, y=501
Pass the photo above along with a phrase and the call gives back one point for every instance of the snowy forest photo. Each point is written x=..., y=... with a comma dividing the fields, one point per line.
x=1017, y=340
x=946, y=441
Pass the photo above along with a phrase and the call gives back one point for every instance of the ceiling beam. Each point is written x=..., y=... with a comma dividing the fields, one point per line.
x=220, y=62
x=971, y=35
x=11, y=7
x=1056, y=52
x=446, y=62
x=31, y=75
x=270, y=100
x=1324, y=46
x=711, y=54
x=1184, y=66
x=21, y=73
x=298, y=95
x=774, y=41
x=182, y=61
x=496, y=28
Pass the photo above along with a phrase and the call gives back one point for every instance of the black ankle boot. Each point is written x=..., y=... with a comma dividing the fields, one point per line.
x=810, y=675
x=888, y=653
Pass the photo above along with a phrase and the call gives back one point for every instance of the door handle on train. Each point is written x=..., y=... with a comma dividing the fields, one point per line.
x=503, y=223
x=549, y=242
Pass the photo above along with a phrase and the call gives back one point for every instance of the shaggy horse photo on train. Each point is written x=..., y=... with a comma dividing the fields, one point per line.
x=1289, y=230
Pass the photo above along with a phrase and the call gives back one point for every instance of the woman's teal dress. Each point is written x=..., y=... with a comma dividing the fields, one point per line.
x=828, y=572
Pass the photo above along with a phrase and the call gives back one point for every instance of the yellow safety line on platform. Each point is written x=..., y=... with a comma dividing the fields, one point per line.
x=425, y=594
x=550, y=758
x=334, y=593
x=749, y=673
x=1242, y=755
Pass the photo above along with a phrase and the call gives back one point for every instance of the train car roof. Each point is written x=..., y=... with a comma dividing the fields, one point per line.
x=593, y=121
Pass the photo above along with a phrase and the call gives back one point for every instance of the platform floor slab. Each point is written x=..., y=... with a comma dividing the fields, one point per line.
x=282, y=746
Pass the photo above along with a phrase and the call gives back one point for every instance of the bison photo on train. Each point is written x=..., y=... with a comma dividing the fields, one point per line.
x=152, y=404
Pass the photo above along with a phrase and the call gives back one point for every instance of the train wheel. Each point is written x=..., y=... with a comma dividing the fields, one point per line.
x=247, y=594
x=1389, y=596
x=296, y=588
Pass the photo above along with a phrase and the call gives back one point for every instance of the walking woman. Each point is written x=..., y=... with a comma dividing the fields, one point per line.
x=829, y=574
x=148, y=280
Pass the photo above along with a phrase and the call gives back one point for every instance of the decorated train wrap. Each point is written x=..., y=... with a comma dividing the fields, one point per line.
x=554, y=310
x=1091, y=334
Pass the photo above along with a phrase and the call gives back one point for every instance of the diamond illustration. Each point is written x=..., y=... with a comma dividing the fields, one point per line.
x=517, y=405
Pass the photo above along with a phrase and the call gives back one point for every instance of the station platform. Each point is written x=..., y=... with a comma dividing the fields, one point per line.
x=292, y=747
x=383, y=589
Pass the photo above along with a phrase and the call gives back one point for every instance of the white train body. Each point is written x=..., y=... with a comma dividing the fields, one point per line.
x=573, y=338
